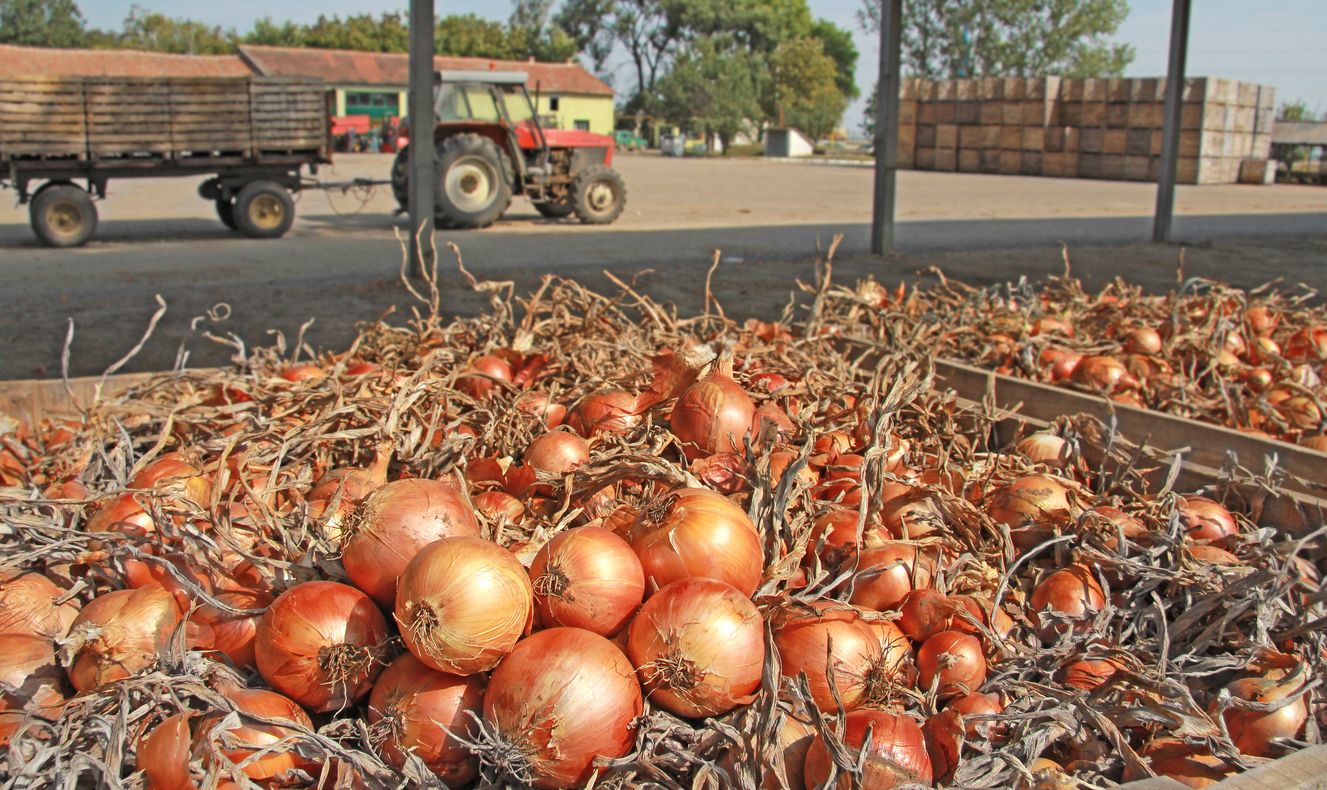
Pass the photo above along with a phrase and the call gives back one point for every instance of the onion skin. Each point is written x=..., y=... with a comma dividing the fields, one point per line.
x=487, y=371
x=1090, y=674
x=1073, y=591
x=1030, y=500
x=234, y=635
x=252, y=736
x=416, y=708
x=503, y=509
x=319, y=643
x=696, y=532
x=163, y=756
x=886, y=589
x=838, y=530
x=869, y=658
x=698, y=646
x=563, y=697
x=125, y=632
x=955, y=660
x=555, y=453
x=462, y=603
x=588, y=578
x=27, y=606
x=713, y=416
x=898, y=752
x=1253, y=731
x=1204, y=519
x=28, y=666
x=605, y=411
x=399, y=519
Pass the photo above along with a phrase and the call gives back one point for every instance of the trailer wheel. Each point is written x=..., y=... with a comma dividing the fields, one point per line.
x=63, y=215
x=474, y=182
x=598, y=195
x=264, y=210
x=226, y=211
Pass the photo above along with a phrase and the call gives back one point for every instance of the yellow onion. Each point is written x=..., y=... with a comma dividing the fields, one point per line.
x=174, y=474
x=1144, y=340
x=542, y=407
x=781, y=767
x=163, y=755
x=1204, y=519
x=834, y=536
x=698, y=646
x=233, y=635
x=28, y=605
x=486, y=372
x=913, y=515
x=713, y=416
x=121, y=633
x=1301, y=411
x=870, y=658
x=503, y=509
x=321, y=644
x=1103, y=373
x=897, y=754
x=588, y=578
x=1045, y=447
x=1309, y=343
x=726, y=473
x=562, y=698
x=952, y=662
x=398, y=520
x=462, y=603
x=1253, y=731
x=251, y=736
x=556, y=453
x=606, y=411
x=1190, y=766
x=696, y=532
x=31, y=679
x=417, y=709
x=888, y=573
x=1075, y=592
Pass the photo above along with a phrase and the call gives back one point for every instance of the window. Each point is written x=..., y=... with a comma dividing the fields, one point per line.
x=583, y=126
x=553, y=103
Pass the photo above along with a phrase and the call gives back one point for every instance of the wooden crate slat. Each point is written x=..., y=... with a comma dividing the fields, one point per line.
x=52, y=117
x=121, y=148
x=8, y=126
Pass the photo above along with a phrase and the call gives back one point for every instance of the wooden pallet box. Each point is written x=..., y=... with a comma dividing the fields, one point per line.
x=1034, y=139
x=990, y=161
x=1011, y=113
x=1092, y=141
x=1011, y=163
x=924, y=158
x=926, y=112
x=1114, y=141
x=946, y=159
x=946, y=112
x=1061, y=165
x=970, y=137
x=969, y=160
x=968, y=113
x=1112, y=167
x=1138, y=168
x=907, y=112
x=1033, y=163
x=946, y=136
x=1117, y=115
x=990, y=137
x=1011, y=138
x=1138, y=142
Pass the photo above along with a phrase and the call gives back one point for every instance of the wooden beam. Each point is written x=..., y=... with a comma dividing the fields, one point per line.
x=420, y=203
x=1170, y=134
x=886, y=128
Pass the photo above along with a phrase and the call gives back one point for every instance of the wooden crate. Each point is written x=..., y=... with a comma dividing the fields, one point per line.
x=1114, y=141
x=1011, y=163
x=969, y=160
x=992, y=113
x=925, y=158
x=1138, y=168
x=970, y=137
x=968, y=113
x=990, y=137
x=946, y=112
x=1011, y=138
x=990, y=161
x=1064, y=165
x=1117, y=115
x=946, y=136
x=42, y=118
x=946, y=159
x=1033, y=163
x=1034, y=139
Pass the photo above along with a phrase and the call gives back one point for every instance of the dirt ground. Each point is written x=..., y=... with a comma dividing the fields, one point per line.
x=341, y=261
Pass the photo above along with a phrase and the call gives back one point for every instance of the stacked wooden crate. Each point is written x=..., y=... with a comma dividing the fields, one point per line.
x=1083, y=128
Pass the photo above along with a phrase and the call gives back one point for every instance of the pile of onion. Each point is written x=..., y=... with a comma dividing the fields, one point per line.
x=1074, y=592
x=28, y=606
x=562, y=698
x=588, y=578
x=462, y=603
x=121, y=633
x=897, y=755
x=713, y=415
x=417, y=709
x=252, y=736
x=696, y=532
x=698, y=646
x=870, y=658
x=321, y=644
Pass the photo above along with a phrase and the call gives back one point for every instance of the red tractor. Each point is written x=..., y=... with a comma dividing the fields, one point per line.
x=489, y=146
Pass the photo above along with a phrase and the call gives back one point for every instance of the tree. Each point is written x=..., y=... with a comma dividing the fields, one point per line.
x=530, y=34
x=806, y=95
x=41, y=23
x=361, y=32
x=268, y=33
x=468, y=36
x=838, y=45
x=713, y=87
x=148, y=30
x=1009, y=38
x=649, y=31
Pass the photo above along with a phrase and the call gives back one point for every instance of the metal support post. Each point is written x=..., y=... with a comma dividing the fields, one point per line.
x=421, y=179
x=886, y=128
x=1170, y=135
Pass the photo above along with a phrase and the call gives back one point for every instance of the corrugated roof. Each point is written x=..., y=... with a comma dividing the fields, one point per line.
x=44, y=62
x=347, y=67
x=1300, y=132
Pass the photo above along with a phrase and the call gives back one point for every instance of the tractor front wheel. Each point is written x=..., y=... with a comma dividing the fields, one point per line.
x=474, y=182
x=598, y=195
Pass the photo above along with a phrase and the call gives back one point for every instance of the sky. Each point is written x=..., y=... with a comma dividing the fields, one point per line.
x=1277, y=44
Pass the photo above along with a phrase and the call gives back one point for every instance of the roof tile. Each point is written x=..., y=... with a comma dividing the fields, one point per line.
x=45, y=62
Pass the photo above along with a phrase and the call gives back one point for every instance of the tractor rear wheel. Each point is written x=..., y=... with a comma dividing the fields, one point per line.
x=598, y=195
x=474, y=182
x=401, y=178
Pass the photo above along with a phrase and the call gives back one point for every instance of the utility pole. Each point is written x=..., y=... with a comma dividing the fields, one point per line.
x=1170, y=135
x=421, y=179
x=886, y=128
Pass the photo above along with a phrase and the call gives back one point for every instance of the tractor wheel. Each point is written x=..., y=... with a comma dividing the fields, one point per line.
x=474, y=182
x=598, y=195
x=63, y=215
x=558, y=210
x=401, y=178
x=226, y=211
x=264, y=210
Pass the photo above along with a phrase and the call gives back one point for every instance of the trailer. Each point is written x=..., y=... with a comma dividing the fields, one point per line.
x=254, y=135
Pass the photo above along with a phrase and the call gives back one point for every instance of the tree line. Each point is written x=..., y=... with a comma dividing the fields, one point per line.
x=725, y=67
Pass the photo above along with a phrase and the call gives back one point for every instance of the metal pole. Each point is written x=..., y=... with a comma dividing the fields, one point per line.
x=886, y=127
x=1170, y=135
x=421, y=179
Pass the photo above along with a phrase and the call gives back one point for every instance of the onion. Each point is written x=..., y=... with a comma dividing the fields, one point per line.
x=556, y=453
x=942, y=732
x=830, y=445
x=1112, y=522
x=31, y=679
x=953, y=662
x=121, y=633
x=1029, y=505
x=913, y=515
x=462, y=603
x=606, y=411
x=125, y=515
x=1046, y=448
x=1075, y=592
x=1064, y=367
x=163, y=755
x=1318, y=442
x=1254, y=731
x=562, y=698
x=251, y=736
x=503, y=509
x=838, y=531
x=842, y=480
x=1045, y=325
x=924, y=613
x=725, y=473
x=713, y=416
x=780, y=425
x=870, y=658
x=28, y=605
x=696, y=532
x=398, y=520
x=1203, y=519
x=881, y=587
x=767, y=381
x=1103, y=373
x=487, y=371
x=1089, y=674
x=1302, y=412
x=296, y=373
x=782, y=765
x=1309, y=343
x=1144, y=340
x=173, y=474
x=588, y=578
x=320, y=643
x=897, y=755
x=1262, y=319
x=347, y=489
x=698, y=646
x=138, y=573
x=542, y=407
x=417, y=709
x=978, y=704
x=234, y=635
x=1258, y=379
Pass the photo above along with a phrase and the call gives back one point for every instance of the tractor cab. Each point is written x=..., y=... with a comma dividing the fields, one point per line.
x=490, y=146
